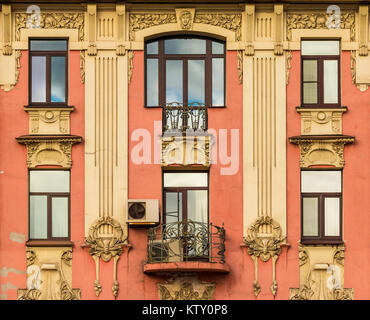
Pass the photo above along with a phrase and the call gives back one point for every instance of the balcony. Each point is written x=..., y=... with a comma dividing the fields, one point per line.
x=186, y=246
x=185, y=140
x=184, y=119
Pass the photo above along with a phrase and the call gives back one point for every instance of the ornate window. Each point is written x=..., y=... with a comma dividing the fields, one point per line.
x=320, y=73
x=185, y=70
x=321, y=203
x=49, y=205
x=48, y=72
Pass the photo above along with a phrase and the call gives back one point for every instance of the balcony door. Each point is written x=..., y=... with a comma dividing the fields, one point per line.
x=186, y=211
x=185, y=197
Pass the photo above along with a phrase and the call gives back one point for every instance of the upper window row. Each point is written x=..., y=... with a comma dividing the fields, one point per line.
x=186, y=70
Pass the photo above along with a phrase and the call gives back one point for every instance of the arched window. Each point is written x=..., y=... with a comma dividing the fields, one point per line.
x=185, y=70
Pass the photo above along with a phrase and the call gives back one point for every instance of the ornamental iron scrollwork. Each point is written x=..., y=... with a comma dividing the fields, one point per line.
x=264, y=239
x=186, y=240
x=106, y=241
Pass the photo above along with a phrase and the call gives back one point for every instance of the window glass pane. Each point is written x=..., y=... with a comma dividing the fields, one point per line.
x=198, y=205
x=38, y=79
x=196, y=82
x=49, y=181
x=318, y=47
x=185, y=46
x=152, y=82
x=218, y=82
x=174, y=81
x=217, y=47
x=332, y=214
x=48, y=45
x=59, y=217
x=321, y=181
x=173, y=207
x=310, y=217
x=38, y=217
x=152, y=47
x=185, y=179
x=330, y=81
x=58, y=79
x=309, y=70
x=310, y=93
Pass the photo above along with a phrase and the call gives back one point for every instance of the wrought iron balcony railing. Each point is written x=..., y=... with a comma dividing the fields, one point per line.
x=186, y=241
x=178, y=117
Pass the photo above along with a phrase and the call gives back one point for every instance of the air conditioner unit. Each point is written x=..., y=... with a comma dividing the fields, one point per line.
x=143, y=212
x=165, y=251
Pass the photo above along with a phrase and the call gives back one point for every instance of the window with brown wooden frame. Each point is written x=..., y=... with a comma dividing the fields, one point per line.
x=185, y=70
x=321, y=206
x=49, y=205
x=320, y=73
x=48, y=72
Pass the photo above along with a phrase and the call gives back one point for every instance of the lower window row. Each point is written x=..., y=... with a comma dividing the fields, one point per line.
x=185, y=196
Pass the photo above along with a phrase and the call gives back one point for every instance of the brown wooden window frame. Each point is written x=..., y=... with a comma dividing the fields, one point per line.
x=50, y=196
x=48, y=55
x=320, y=80
x=162, y=57
x=321, y=196
x=184, y=191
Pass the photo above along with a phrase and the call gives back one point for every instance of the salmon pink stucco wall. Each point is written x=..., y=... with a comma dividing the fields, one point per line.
x=356, y=187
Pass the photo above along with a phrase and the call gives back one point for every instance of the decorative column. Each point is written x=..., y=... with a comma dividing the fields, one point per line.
x=264, y=139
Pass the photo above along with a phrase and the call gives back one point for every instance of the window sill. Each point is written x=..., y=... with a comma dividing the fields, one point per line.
x=344, y=108
x=49, y=243
x=48, y=105
x=322, y=242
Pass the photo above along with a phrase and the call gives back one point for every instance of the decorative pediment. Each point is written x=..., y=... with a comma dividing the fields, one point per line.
x=186, y=150
x=322, y=150
x=186, y=288
x=321, y=274
x=49, y=150
x=49, y=275
x=49, y=121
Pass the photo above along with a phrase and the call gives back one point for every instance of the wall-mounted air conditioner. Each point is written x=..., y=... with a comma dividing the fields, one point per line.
x=143, y=212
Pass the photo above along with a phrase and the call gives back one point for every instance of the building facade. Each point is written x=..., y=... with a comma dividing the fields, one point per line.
x=213, y=150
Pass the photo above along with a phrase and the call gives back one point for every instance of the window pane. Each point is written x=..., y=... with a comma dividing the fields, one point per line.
x=152, y=82
x=309, y=70
x=198, y=205
x=186, y=179
x=49, y=181
x=332, y=214
x=173, y=207
x=58, y=79
x=330, y=81
x=152, y=47
x=310, y=93
x=38, y=217
x=310, y=217
x=217, y=47
x=317, y=47
x=48, y=45
x=218, y=82
x=59, y=217
x=38, y=79
x=185, y=46
x=321, y=181
x=174, y=81
x=196, y=82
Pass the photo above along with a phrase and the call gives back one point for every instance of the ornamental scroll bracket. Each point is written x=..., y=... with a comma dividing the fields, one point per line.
x=106, y=241
x=264, y=240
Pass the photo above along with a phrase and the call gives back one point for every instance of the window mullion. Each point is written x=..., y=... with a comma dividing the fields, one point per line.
x=48, y=79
